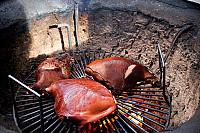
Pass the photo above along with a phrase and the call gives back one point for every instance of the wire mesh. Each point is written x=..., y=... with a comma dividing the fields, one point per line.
x=141, y=109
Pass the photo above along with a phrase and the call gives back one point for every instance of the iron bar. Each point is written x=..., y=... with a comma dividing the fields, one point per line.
x=22, y=84
x=133, y=130
x=141, y=129
x=145, y=94
x=77, y=71
x=22, y=96
x=103, y=126
x=81, y=71
x=70, y=127
x=27, y=100
x=85, y=58
x=52, y=125
x=15, y=111
x=99, y=55
x=163, y=83
x=142, y=87
x=135, y=118
x=32, y=112
x=32, y=124
x=29, y=104
x=73, y=75
x=144, y=111
x=110, y=119
x=160, y=111
x=150, y=99
x=118, y=98
x=120, y=125
x=107, y=124
x=63, y=128
x=81, y=61
x=121, y=108
x=135, y=90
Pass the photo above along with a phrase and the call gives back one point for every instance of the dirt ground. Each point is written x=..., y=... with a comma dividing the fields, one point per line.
x=135, y=35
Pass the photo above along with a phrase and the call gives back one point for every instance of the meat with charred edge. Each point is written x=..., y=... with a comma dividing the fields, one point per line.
x=51, y=70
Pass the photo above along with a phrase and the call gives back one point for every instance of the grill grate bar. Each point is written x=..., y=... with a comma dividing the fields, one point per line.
x=146, y=112
x=52, y=125
x=137, y=120
x=110, y=119
x=70, y=127
x=120, y=125
x=141, y=116
x=32, y=118
x=136, y=90
x=34, y=130
x=29, y=126
x=76, y=70
x=27, y=100
x=93, y=59
x=81, y=60
x=103, y=126
x=37, y=128
x=22, y=96
x=107, y=124
x=79, y=67
x=146, y=94
x=50, y=115
x=73, y=75
x=125, y=99
x=150, y=99
x=133, y=130
x=63, y=128
x=57, y=127
x=27, y=104
x=142, y=129
x=36, y=107
x=160, y=111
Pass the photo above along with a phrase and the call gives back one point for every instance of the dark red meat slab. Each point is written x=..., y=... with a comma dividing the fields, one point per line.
x=51, y=70
x=119, y=73
x=83, y=100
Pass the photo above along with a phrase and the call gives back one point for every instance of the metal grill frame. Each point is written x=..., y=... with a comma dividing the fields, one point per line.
x=35, y=113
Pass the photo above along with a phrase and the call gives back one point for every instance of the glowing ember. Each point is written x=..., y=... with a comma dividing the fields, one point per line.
x=133, y=115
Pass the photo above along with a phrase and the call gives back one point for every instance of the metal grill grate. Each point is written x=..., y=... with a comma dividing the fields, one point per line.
x=142, y=109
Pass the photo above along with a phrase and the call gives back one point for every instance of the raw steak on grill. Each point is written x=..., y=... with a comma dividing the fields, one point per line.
x=51, y=70
x=119, y=73
x=83, y=100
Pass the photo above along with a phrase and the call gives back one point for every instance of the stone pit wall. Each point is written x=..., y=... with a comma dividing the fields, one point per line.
x=133, y=31
x=136, y=35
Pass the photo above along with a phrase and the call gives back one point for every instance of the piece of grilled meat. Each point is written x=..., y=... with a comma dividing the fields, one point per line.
x=51, y=70
x=118, y=73
x=83, y=100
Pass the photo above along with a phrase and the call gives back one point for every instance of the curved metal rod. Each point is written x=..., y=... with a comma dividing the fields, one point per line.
x=175, y=39
x=163, y=74
x=69, y=35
